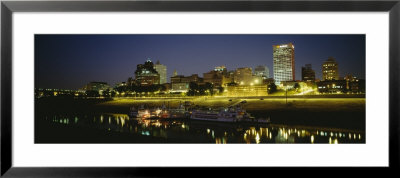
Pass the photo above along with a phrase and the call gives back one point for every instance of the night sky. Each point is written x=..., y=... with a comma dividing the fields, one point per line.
x=71, y=61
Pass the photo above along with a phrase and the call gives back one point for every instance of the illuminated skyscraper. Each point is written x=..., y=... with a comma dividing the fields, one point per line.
x=330, y=70
x=283, y=62
x=162, y=70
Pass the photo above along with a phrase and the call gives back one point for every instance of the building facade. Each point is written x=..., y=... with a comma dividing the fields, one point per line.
x=332, y=86
x=243, y=76
x=146, y=74
x=330, y=69
x=349, y=84
x=96, y=86
x=179, y=87
x=354, y=85
x=162, y=70
x=283, y=56
x=181, y=83
x=214, y=77
x=99, y=87
x=245, y=90
x=307, y=73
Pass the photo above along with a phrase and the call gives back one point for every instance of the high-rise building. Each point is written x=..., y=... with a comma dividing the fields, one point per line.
x=175, y=73
x=262, y=71
x=330, y=70
x=307, y=73
x=145, y=74
x=162, y=70
x=283, y=56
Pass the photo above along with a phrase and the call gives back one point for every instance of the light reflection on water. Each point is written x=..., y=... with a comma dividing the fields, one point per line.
x=186, y=131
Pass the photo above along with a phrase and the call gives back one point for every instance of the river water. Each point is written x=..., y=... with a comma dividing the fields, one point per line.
x=120, y=128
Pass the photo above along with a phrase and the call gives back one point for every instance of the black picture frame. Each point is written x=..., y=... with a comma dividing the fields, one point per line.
x=8, y=7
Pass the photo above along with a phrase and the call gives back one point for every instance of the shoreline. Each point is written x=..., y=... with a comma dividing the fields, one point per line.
x=344, y=113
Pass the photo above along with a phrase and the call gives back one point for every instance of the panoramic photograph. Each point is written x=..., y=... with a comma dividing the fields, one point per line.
x=200, y=88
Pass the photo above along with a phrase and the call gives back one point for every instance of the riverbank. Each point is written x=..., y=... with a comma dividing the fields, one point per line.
x=334, y=112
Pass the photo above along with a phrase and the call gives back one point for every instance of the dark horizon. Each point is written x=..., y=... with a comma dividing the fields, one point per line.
x=71, y=61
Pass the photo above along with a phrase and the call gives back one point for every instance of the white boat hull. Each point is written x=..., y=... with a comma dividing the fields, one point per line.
x=216, y=120
x=214, y=117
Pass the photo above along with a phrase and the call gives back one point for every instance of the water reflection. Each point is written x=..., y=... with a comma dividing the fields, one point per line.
x=186, y=131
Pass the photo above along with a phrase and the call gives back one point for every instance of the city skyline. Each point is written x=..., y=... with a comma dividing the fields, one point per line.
x=71, y=61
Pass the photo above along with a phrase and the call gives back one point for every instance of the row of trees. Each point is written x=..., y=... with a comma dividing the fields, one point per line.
x=195, y=89
x=125, y=90
x=200, y=90
x=140, y=89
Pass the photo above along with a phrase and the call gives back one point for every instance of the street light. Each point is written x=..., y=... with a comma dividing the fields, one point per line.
x=286, y=93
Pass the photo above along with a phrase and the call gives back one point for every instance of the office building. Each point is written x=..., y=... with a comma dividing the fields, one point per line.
x=354, y=85
x=283, y=58
x=214, y=77
x=181, y=83
x=146, y=74
x=162, y=70
x=243, y=76
x=262, y=71
x=330, y=69
x=332, y=86
x=307, y=73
